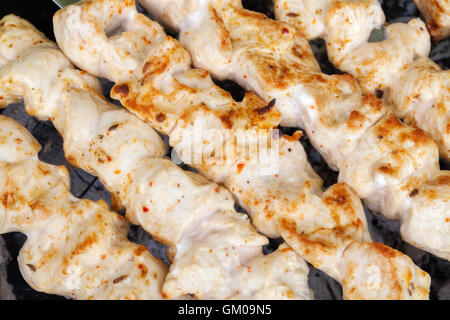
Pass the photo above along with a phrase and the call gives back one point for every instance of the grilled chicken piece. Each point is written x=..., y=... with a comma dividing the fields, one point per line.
x=437, y=14
x=397, y=65
x=421, y=96
x=310, y=17
x=260, y=54
x=211, y=241
x=281, y=192
x=75, y=248
x=341, y=121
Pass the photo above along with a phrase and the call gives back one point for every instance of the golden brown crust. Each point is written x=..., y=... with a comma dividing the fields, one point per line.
x=437, y=14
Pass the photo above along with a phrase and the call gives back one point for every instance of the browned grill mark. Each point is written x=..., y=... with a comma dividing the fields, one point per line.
x=267, y=108
x=341, y=199
x=356, y=119
x=113, y=127
x=139, y=250
x=384, y=250
x=161, y=117
x=32, y=267
x=387, y=170
x=122, y=89
x=227, y=121
x=146, y=66
x=119, y=279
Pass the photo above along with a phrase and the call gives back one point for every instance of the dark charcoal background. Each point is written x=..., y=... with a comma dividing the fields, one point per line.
x=84, y=185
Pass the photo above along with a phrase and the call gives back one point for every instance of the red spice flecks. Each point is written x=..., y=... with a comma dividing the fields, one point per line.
x=240, y=167
x=145, y=209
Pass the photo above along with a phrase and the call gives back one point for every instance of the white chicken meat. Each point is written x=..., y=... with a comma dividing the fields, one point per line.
x=283, y=196
x=210, y=242
x=397, y=68
x=386, y=162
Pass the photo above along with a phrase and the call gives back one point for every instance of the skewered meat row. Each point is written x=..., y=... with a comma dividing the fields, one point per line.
x=393, y=167
x=397, y=68
x=216, y=252
x=283, y=196
x=437, y=14
x=75, y=248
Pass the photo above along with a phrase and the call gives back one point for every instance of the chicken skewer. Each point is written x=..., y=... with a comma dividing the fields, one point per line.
x=437, y=15
x=328, y=229
x=75, y=248
x=397, y=68
x=216, y=252
x=394, y=168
